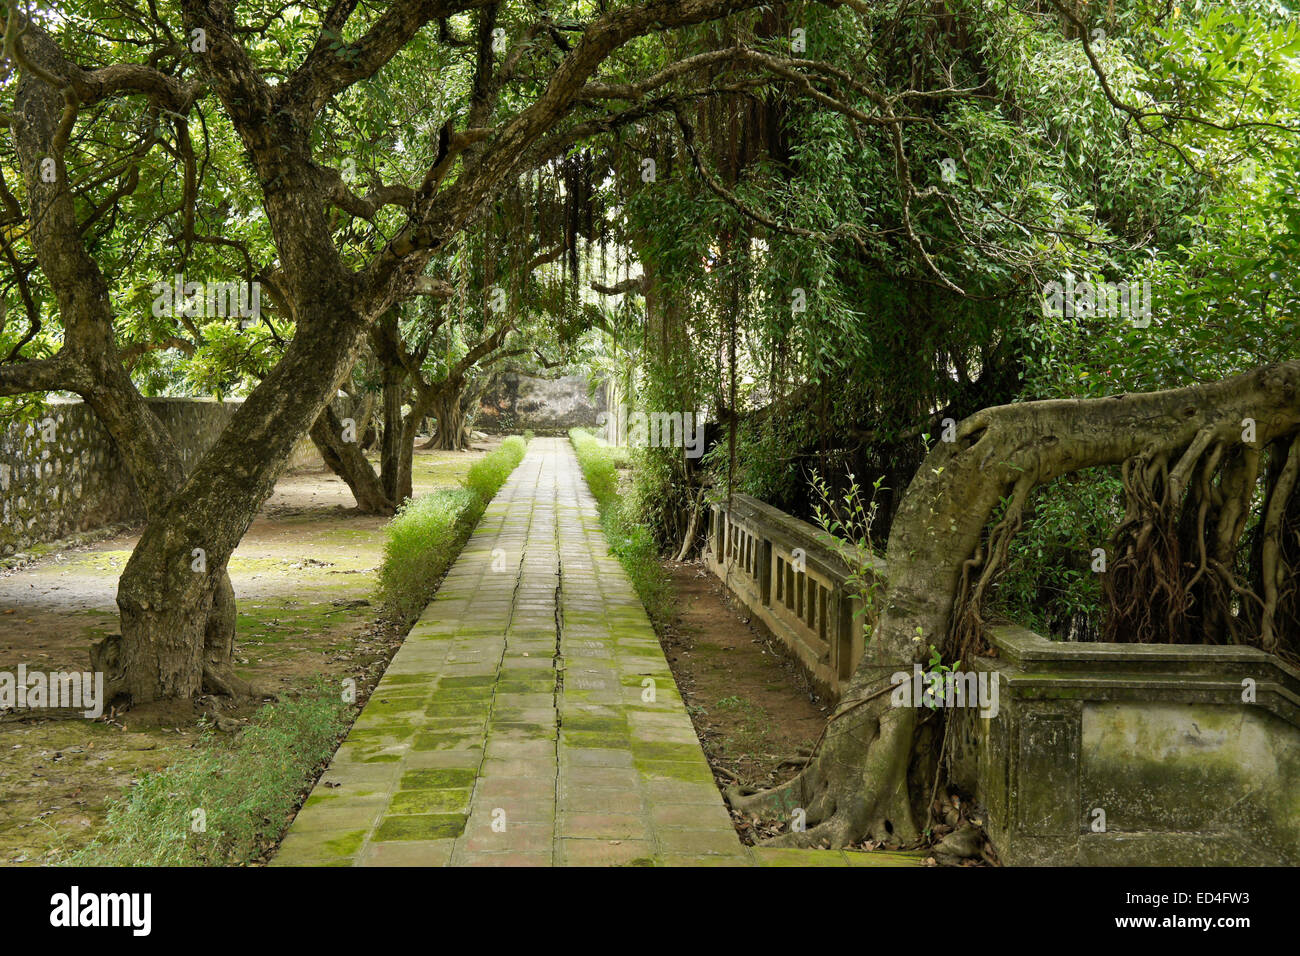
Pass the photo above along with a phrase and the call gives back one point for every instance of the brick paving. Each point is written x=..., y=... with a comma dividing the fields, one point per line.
x=530, y=717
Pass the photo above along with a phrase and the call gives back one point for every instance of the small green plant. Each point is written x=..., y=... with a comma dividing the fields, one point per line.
x=847, y=523
x=230, y=799
x=528, y=434
x=937, y=666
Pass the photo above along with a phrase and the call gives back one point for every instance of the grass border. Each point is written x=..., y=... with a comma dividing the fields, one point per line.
x=629, y=540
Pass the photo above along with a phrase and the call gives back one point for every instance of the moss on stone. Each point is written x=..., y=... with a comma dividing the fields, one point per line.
x=692, y=772
x=658, y=750
x=398, y=705
x=441, y=741
x=468, y=680
x=453, y=708
x=526, y=686
x=594, y=724
x=421, y=826
x=607, y=741
x=346, y=844
x=437, y=778
x=430, y=801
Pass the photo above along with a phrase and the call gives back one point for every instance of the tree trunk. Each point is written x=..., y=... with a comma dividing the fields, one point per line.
x=406, y=460
x=453, y=431
x=95, y=372
x=857, y=786
x=347, y=460
x=169, y=585
x=395, y=434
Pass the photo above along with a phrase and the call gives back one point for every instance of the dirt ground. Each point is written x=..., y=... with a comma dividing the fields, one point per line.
x=751, y=704
x=303, y=577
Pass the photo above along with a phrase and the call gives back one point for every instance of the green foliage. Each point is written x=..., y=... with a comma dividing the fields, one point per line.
x=1049, y=585
x=247, y=787
x=423, y=538
x=629, y=540
x=945, y=675
x=847, y=521
x=427, y=532
x=1197, y=194
x=488, y=474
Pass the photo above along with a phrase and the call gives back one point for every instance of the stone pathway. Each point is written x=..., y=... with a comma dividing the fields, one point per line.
x=530, y=718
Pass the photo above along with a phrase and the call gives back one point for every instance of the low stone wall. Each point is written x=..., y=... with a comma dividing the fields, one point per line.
x=63, y=475
x=1136, y=754
x=1115, y=754
x=793, y=582
x=515, y=402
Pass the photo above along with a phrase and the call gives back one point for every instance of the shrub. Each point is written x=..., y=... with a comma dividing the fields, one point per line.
x=247, y=787
x=422, y=538
x=427, y=533
x=629, y=541
x=488, y=474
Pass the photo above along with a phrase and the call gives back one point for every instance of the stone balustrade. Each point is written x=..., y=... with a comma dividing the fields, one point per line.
x=795, y=582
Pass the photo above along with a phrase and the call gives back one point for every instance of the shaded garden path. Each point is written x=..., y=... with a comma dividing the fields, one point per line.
x=530, y=717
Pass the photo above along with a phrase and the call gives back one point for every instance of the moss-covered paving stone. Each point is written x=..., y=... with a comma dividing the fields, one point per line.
x=396, y=705
x=456, y=708
x=468, y=680
x=319, y=849
x=587, y=723
x=461, y=694
x=382, y=734
x=443, y=741
x=352, y=793
x=586, y=739
x=420, y=826
x=527, y=674
x=364, y=750
x=653, y=750
x=426, y=679
x=430, y=801
x=437, y=778
x=523, y=729
x=680, y=770
x=526, y=686
x=782, y=856
x=885, y=857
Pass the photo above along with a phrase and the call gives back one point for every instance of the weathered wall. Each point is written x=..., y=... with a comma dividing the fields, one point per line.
x=77, y=481
x=514, y=402
x=1137, y=754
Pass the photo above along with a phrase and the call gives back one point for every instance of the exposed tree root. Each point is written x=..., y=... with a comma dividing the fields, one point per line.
x=222, y=680
x=856, y=786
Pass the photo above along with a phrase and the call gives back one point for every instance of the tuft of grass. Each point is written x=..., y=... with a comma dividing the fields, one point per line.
x=427, y=533
x=230, y=799
x=489, y=473
x=421, y=540
x=629, y=540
